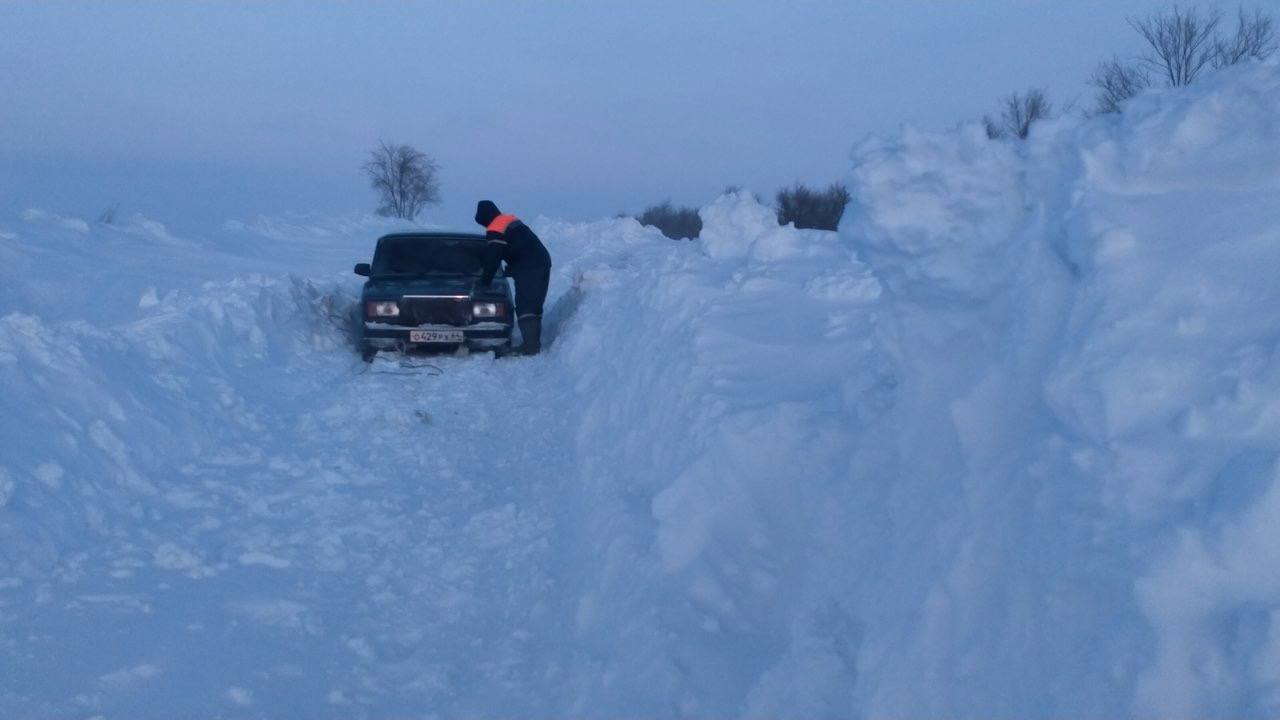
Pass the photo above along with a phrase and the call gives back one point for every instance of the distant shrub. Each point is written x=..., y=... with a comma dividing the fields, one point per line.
x=108, y=216
x=676, y=223
x=812, y=209
x=1018, y=112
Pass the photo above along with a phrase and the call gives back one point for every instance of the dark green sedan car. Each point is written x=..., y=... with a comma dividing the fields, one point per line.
x=424, y=292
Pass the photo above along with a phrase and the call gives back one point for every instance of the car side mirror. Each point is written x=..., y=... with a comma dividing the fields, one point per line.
x=363, y=269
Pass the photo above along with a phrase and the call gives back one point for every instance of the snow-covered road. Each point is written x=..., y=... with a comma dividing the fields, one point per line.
x=385, y=535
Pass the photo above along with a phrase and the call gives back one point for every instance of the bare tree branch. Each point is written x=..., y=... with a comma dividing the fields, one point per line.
x=1018, y=112
x=405, y=179
x=1254, y=39
x=1181, y=44
x=1116, y=82
x=108, y=216
x=994, y=131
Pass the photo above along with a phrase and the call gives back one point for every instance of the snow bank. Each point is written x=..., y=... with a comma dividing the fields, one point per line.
x=1019, y=463
x=715, y=401
x=1084, y=445
x=98, y=416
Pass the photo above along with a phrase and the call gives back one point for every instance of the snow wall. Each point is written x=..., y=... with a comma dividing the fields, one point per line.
x=1077, y=474
x=1004, y=446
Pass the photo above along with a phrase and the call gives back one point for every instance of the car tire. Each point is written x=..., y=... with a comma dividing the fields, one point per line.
x=368, y=353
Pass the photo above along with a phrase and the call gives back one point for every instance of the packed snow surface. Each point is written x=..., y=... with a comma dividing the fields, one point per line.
x=1004, y=446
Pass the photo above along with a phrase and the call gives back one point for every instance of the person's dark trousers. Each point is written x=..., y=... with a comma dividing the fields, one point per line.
x=531, y=294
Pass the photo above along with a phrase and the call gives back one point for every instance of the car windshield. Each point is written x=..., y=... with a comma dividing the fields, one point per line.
x=428, y=256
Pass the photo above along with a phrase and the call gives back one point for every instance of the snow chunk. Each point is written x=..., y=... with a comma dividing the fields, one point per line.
x=732, y=223
x=1205, y=137
x=779, y=243
x=149, y=298
x=937, y=213
x=152, y=229
x=44, y=217
x=844, y=287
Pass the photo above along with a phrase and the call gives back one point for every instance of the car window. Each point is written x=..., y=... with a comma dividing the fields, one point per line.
x=428, y=256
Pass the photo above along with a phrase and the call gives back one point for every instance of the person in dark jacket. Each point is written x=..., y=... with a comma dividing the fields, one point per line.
x=528, y=264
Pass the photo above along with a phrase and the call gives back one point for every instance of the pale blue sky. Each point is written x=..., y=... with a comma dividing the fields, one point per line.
x=196, y=112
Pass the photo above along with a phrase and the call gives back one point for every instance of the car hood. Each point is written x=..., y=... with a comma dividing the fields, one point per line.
x=394, y=287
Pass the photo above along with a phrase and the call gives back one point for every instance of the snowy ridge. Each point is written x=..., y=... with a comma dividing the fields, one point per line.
x=1003, y=446
x=1086, y=366
x=710, y=426
x=142, y=396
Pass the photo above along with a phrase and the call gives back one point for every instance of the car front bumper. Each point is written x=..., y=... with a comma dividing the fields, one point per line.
x=385, y=336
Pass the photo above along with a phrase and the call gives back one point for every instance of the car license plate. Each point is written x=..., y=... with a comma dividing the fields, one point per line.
x=435, y=336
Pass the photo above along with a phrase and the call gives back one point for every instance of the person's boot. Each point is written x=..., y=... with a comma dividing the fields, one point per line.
x=531, y=329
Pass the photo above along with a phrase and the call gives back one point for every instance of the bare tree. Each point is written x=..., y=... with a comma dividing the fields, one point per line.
x=1255, y=39
x=808, y=208
x=994, y=131
x=404, y=178
x=108, y=216
x=676, y=223
x=1116, y=82
x=1018, y=113
x=1181, y=43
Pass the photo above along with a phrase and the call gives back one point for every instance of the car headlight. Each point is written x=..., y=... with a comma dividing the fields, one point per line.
x=382, y=308
x=487, y=309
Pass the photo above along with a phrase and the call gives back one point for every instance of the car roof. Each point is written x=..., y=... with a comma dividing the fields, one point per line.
x=431, y=235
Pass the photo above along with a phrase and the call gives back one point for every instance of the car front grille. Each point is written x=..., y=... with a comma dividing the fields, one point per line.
x=417, y=310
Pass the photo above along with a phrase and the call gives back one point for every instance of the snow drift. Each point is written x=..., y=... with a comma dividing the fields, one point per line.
x=1082, y=466
x=1004, y=446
